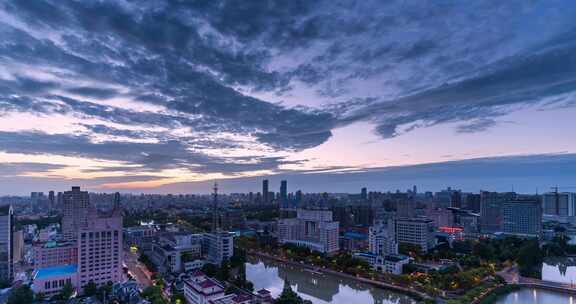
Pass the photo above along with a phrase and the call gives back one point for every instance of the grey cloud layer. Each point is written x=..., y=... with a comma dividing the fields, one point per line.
x=398, y=63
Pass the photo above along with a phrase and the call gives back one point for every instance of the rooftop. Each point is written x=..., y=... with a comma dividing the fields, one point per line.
x=48, y=272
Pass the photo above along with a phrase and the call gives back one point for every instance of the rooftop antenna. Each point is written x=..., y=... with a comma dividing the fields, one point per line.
x=216, y=211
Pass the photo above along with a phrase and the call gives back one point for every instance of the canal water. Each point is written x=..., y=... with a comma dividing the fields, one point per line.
x=536, y=296
x=319, y=288
x=562, y=270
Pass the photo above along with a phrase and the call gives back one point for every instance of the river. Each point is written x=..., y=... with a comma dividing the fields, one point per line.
x=319, y=288
x=562, y=270
x=536, y=296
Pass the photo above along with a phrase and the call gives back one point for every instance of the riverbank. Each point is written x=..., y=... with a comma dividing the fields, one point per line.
x=416, y=295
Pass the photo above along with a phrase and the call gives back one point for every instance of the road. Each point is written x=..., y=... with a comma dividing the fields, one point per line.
x=137, y=269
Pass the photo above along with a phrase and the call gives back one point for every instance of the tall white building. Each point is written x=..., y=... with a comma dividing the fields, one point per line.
x=313, y=229
x=6, y=243
x=415, y=231
x=381, y=240
x=219, y=246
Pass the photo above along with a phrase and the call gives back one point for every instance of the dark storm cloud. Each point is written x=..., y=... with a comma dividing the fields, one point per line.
x=401, y=65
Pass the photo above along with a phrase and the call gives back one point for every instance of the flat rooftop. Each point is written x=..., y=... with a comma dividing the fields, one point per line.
x=54, y=271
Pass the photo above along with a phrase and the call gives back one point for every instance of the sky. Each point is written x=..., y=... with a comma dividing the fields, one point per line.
x=170, y=96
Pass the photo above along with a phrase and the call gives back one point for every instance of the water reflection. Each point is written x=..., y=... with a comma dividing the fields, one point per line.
x=536, y=296
x=318, y=288
x=562, y=270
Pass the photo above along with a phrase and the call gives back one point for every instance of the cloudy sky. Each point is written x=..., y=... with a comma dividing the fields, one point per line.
x=168, y=96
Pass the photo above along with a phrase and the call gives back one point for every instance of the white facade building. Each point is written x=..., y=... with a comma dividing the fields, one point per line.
x=313, y=229
x=219, y=246
x=381, y=240
x=415, y=231
x=200, y=289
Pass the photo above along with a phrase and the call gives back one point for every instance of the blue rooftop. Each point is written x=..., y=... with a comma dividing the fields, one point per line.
x=47, y=272
x=356, y=235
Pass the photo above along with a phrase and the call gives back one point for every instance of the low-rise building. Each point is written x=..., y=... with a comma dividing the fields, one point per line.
x=392, y=263
x=51, y=280
x=200, y=289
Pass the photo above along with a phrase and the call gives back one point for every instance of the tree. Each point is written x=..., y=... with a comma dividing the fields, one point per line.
x=39, y=297
x=209, y=269
x=66, y=292
x=288, y=296
x=90, y=289
x=104, y=291
x=21, y=295
x=178, y=298
x=530, y=259
x=154, y=295
x=409, y=249
x=223, y=272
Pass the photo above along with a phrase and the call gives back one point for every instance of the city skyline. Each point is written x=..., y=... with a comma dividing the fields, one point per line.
x=166, y=97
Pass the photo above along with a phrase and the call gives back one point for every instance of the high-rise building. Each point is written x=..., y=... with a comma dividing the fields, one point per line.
x=51, y=201
x=415, y=231
x=100, y=248
x=364, y=194
x=89, y=251
x=471, y=201
x=522, y=217
x=76, y=207
x=314, y=229
x=491, y=210
x=284, y=193
x=559, y=204
x=6, y=243
x=265, y=192
x=18, y=248
x=219, y=246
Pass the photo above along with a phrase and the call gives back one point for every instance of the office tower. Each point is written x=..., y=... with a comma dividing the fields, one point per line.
x=100, y=248
x=117, y=199
x=559, y=203
x=216, y=223
x=59, y=201
x=491, y=210
x=76, y=207
x=415, y=231
x=6, y=243
x=298, y=197
x=522, y=217
x=414, y=189
x=406, y=208
x=471, y=201
x=51, y=201
x=265, y=192
x=18, y=248
x=448, y=198
x=313, y=229
x=364, y=194
x=284, y=194
x=219, y=246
